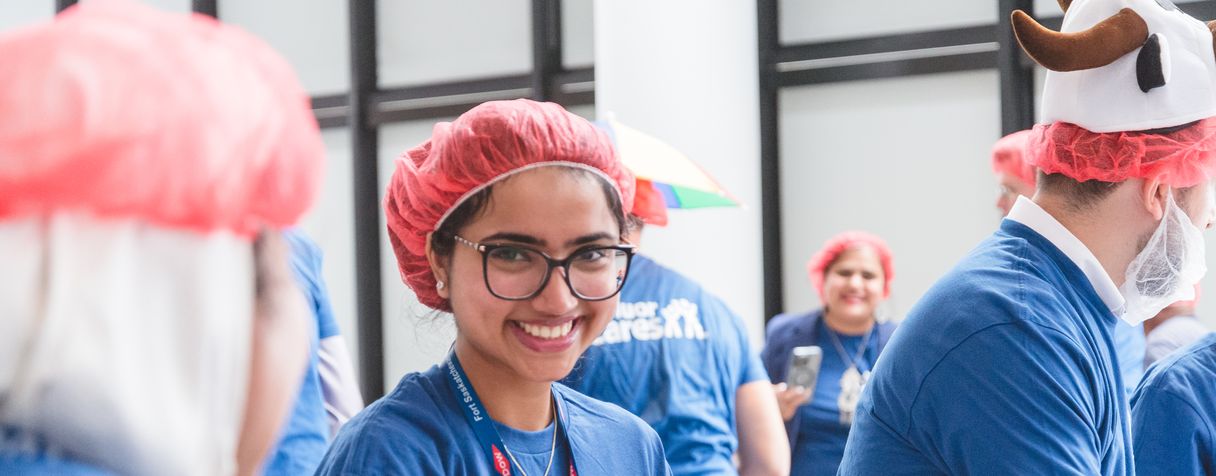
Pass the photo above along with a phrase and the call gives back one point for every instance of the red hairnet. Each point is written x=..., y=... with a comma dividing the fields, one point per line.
x=818, y=266
x=481, y=147
x=1009, y=158
x=649, y=205
x=1182, y=158
x=120, y=110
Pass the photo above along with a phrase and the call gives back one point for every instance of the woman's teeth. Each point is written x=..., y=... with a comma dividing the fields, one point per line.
x=547, y=332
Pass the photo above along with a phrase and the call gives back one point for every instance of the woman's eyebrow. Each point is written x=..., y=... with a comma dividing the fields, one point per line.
x=590, y=238
x=532, y=240
x=516, y=237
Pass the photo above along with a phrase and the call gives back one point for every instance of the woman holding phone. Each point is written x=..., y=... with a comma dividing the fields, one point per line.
x=511, y=218
x=838, y=344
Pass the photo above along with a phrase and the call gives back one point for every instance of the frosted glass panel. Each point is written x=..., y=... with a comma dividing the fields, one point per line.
x=578, y=33
x=415, y=337
x=170, y=5
x=331, y=224
x=904, y=158
x=424, y=41
x=312, y=35
x=22, y=13
x=818, y=20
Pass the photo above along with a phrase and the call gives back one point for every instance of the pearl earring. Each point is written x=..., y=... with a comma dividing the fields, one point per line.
x=439, y=285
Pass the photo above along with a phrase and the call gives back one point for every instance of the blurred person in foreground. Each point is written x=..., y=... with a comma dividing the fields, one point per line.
x=679, y=358
x=144, y=330
x=1007, y=365
x=852, y=274
x=1016, y=178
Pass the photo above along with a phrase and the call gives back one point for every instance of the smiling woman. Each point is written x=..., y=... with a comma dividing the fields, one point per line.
x=852, y=274
x=512, y=219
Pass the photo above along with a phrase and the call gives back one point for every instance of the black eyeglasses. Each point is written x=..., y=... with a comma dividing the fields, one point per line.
x=517, y=273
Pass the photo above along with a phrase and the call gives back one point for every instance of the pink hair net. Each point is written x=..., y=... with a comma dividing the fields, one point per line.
x=1182, y=158
x=818, y=266
x=120, y=110
x=1009, y=157
x=481, y=147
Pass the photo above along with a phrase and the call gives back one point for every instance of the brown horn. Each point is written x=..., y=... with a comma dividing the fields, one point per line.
x=1100, y=45
x=1064, y=4
x=1212, y=28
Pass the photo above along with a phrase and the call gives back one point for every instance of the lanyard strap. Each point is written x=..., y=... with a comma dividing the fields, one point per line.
x=479, y=418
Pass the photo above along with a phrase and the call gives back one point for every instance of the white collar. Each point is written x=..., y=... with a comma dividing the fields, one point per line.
x=1030, y=214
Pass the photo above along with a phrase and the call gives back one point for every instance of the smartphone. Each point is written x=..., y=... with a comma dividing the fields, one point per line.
x=804, y=367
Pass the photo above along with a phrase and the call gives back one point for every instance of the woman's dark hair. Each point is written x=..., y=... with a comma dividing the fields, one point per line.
x=443, y=240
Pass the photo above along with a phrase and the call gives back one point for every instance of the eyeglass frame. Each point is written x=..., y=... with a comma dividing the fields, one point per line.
x=550, y=262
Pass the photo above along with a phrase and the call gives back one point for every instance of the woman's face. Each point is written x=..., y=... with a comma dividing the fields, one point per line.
x=853, y=284
x=548, y=209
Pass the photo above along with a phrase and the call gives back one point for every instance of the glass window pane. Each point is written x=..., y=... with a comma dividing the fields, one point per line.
x=169, y=5
x=311, y=35
x=578, y=33
x=17, y=14
x=425, y=41
x=904, y=158
x=331, y=224
x=803, y=21
x=415, y=337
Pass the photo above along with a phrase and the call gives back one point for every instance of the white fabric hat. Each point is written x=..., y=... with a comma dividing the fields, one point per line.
x=1176, y=51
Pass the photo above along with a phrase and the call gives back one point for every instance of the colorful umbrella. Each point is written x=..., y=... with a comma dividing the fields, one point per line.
x=681, y=182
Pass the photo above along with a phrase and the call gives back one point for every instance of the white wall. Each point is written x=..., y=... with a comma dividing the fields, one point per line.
x=685, y=72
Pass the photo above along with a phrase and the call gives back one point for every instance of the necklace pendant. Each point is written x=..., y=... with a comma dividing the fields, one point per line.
x=851, y=383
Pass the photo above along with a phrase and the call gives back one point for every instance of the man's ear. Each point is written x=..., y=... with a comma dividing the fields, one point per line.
x=1153, y=197
x=438, y=268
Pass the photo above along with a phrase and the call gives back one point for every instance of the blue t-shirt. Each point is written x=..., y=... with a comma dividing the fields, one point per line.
x=1006, y=366
x=817, y=432
x=306, y=435
x=1174, y=411
x=420, y=429
x=533, y=449
x=1130, y=345
x=673, y=355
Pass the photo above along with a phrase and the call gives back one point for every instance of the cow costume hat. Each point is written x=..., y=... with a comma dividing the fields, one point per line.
x=1130, y=92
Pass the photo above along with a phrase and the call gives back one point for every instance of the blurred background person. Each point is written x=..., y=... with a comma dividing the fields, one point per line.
x=513, y=219
x=1016, y=178
x=145, y=332
x=1173, y=328
x=329, y=394
x=852, y=274
x=679, y=358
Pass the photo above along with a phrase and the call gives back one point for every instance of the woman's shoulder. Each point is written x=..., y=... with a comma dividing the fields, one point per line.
x=791, y=323
x=595, y=416
x=607, y=439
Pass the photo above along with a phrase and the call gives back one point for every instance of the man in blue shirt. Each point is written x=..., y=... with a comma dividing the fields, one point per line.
x=1008, y=364
x=677, y=357
x=1174, y=413
x=1016, y=177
